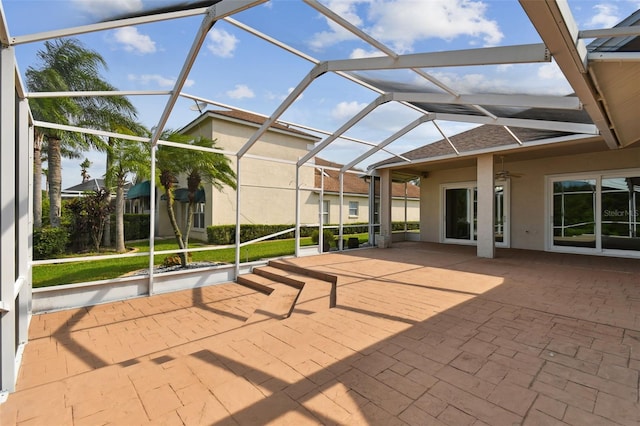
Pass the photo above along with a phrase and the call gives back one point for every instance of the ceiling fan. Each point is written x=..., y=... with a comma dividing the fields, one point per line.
x=503, y=174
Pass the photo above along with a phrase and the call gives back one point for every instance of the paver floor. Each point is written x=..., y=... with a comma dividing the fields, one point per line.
x=423, y=334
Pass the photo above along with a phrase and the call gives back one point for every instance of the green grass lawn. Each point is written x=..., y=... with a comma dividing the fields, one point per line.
x=84, y=271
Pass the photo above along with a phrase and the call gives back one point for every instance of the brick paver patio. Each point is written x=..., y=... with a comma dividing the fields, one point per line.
x=423, y=334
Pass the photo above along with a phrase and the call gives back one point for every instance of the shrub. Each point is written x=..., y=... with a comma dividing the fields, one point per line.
x=328, y=239
x=49, y=242
x=136, y=226
x=174, y=260
x=226, y=234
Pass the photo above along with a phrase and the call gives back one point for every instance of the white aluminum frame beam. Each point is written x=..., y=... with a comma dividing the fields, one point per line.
x=9, y=258
x=558, y=126
x=346, y=126
x=525, y=101
x=555, y=24
x=108, y=25
x=613, y=57
x=214, y=13
x=315, y=72
x=435, y=124
x=521, y=54
x=82, y=94
x=406, y=129
x=383, y=48
x=4, y=31
x=632, y=31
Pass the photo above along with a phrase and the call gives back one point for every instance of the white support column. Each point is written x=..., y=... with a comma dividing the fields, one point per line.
x=153, y=216
x=9, y=260
x=485, y=223
x=320, y=222
x=297, y=231
x=341, y=214
x=238, y=174
x=385, y=209
x=24, y=236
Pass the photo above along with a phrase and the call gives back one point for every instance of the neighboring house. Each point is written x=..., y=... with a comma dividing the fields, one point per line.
x=79, y=189
x=267, y=181
x=553, y=191
x=266, y=177
x=97, y=184
x=406, y=196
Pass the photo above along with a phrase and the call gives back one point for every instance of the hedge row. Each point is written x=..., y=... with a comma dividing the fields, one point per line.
x=136, y=226
x=226, y=234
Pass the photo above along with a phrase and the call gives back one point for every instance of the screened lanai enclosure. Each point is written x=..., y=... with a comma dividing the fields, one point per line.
x=391, y=94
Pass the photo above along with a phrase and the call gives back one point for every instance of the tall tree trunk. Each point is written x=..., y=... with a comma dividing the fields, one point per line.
x=37, y=180
x=107, y=225
x=55, y=182
x=190, y=209
x=119, y=213
x=176, y=228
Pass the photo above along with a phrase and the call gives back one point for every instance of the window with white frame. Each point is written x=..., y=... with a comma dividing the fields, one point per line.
x=325, y=212
x=353, y=208
x=198, y=216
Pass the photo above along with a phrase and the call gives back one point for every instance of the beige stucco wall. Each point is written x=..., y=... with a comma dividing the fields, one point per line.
x=528, y=199
x=413, y=209
x=267, y=188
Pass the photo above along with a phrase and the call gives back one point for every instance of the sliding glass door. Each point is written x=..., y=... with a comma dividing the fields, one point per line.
x=621, y=213
x=596, y=214
x=460, y=213
x=574, y=213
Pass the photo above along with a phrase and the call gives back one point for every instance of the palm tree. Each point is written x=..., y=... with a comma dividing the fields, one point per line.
x=124, y=158
x=83, y=170
x=198, y=167
x=66, y=65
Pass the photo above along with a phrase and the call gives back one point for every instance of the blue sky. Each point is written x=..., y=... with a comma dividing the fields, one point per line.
x=238, y=69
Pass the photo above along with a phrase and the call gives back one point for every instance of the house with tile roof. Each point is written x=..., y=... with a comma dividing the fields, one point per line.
x=268, y=181
x=405, y=197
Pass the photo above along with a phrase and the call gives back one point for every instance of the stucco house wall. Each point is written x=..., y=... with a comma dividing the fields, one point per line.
x=528, y=192
x=267, y=187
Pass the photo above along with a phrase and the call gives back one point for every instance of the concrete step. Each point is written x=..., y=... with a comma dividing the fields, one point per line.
x=315, y=295
x=292, y=291
x=280, y=301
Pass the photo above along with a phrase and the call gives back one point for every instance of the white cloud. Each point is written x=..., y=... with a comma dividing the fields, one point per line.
x=606, y=16
x=108, y=8
x=400, y=23
x=221, y=43
x=346, y=110
x=550, y=71
x=133, y=41
x=361, y=53
x=241, y=91
x=158, y=80
x=281, y=97
x=336, y=34
x=532, y=79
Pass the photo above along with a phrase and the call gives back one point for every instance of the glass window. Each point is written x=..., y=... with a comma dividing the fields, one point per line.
x=574, y=207
x=353, y=209
x=621, y=213
x=198, y=216
x=458, y=215
x=461, y=213
x=325, y=212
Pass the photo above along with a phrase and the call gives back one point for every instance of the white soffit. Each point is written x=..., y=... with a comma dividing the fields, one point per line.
x=555, y=24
